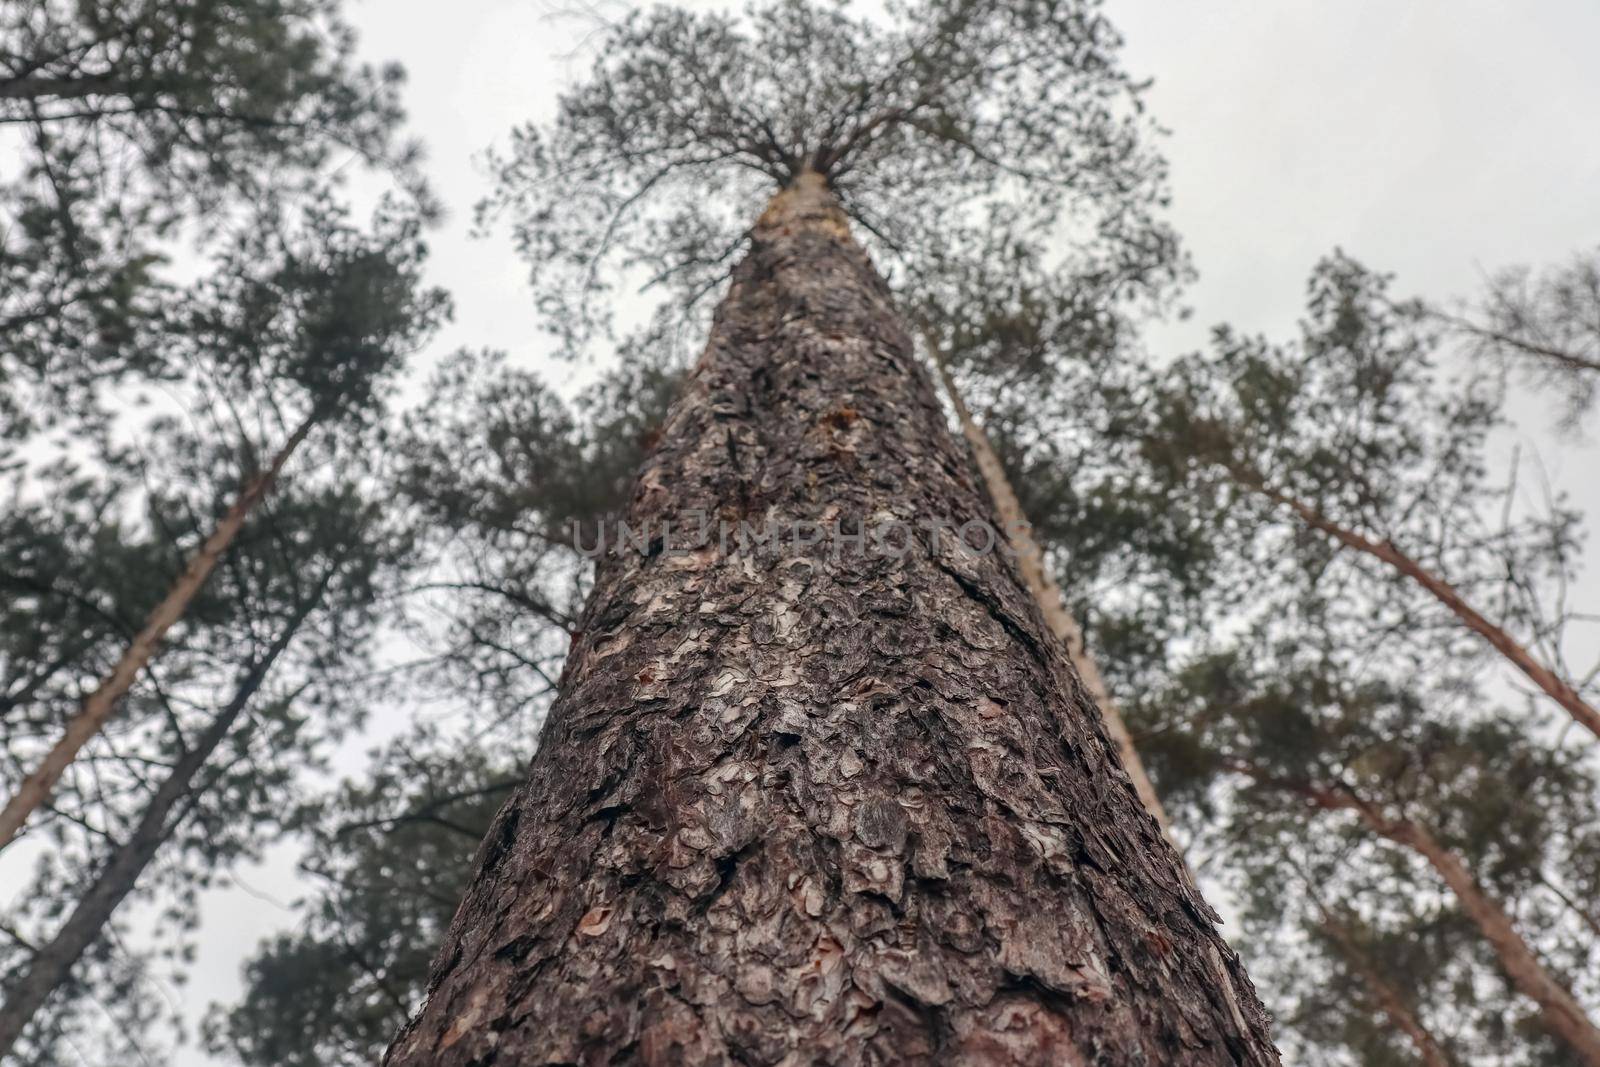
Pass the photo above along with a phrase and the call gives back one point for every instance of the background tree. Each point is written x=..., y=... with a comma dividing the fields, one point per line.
x=1544, y=323
x=325, y=321
x=297, y=326
x=389, y=859
x=1414, y=790
x=1365, y=415
x=1359, y=438
x=134, y=125
x=503, y=481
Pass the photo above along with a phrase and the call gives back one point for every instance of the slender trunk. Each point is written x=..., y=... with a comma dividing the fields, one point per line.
x=1394, y=1004
x=51, y=964
x=1044, y=589
x=97, y=707
x=1561, y=1013
x=837, y=796
x=1385, y=552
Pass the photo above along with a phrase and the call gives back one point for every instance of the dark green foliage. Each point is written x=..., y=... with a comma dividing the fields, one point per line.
x=510, y=485
x=307, y=317
x=504, y=480
x=1331, y=675
x=1363, y=424
x=275, y=573
x=195, y=94
x=134, y=122
x=1287, y=712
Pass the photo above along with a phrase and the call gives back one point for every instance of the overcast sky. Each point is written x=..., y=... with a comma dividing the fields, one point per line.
x=1437, y=139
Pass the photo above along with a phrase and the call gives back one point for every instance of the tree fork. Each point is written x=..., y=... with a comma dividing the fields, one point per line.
x=808, y=804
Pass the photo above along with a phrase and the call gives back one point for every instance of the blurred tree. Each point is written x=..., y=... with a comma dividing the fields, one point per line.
x=308, y=325
x=1357, y=756
x=197, y=772
x=300, y=326
x=1358, y=437
x=502, y=481
x=391, y=857
x=136, y=122
x=191, y=771
x=1544, y=323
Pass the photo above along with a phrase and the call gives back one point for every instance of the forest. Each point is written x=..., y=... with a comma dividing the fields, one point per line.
x=847, y=628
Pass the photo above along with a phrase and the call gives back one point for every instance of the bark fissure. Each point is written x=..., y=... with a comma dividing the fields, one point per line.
x=860, y=810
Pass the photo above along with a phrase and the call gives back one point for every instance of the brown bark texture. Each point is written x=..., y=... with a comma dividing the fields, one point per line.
x=99, y=705
x=1035, y=573
x=798, y=804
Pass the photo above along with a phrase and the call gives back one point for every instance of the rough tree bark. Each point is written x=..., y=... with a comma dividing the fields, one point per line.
x=1042, y=585
x=802, y=804
x=98, y=706
x=47, y=968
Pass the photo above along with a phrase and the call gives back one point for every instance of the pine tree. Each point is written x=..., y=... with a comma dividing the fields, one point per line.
x=792, y=799
x=1357, y=437
x=1028, y=340
x=1544, y=323
x=298, y=325
x=314, y=332
x=131, y=121
x=501, y=481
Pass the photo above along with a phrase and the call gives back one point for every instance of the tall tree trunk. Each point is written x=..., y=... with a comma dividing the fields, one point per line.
x=806, y=802
x=1385, y=552
x=52, y=963
x=1044, y=589
x=1560, y=1011
x=98, y=705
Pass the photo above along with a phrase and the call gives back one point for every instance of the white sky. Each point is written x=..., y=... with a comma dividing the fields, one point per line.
x=1438, y=139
